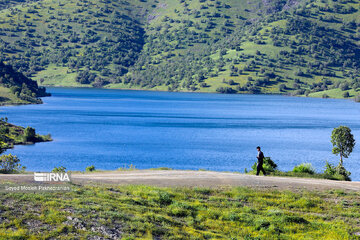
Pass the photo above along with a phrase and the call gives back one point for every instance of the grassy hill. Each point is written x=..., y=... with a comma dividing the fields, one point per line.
x=304, y=47
x=95, y=39
x=15, y=88
x=313, y=48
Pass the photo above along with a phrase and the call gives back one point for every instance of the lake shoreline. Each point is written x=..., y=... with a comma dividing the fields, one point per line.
x=202, y=92
x=15, y=135
x=158, y=90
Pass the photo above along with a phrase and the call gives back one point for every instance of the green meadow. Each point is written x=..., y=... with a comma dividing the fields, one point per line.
x=144, y=212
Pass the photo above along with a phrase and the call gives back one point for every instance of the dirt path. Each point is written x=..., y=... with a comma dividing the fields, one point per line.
x=194, y=178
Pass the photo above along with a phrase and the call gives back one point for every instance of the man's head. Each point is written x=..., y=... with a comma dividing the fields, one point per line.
x=258, y=148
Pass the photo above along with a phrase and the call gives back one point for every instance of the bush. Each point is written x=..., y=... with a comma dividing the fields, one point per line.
x=269, y=165
x=343, y=173
x=59, y=169
x=90, y=168
x=10, y=164
x=304, y=168
x=329, y=169
x=336, y=173
x=164, y=199
x=29, y=134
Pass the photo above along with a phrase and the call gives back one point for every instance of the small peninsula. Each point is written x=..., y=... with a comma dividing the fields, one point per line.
x=11, y=135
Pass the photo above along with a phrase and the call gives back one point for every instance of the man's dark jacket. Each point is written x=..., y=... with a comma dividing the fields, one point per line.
x=260, y=158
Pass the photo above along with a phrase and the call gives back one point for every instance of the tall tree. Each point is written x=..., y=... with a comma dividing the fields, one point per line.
x=343, y=142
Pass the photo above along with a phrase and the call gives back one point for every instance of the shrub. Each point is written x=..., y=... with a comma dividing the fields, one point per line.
x=10, y=164
x=343, y=173
x=164, y=199
x=262, y=224
x=294, y=219
x=329, y=169
x=304, y=168
x=336, y=173
x=269, y=165
x=180, y=209
x=59, y=169
x=90, y=168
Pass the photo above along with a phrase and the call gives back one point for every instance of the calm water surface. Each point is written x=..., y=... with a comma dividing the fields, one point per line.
x=114, y=128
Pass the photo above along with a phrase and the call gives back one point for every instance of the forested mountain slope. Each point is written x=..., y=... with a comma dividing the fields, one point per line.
x=10, y=3
x=313, y=49
x=15, y=88
x=183, y=36
x=304, y=47
x=86, y=41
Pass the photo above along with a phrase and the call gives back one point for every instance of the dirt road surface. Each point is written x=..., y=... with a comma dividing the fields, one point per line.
x=170, y=178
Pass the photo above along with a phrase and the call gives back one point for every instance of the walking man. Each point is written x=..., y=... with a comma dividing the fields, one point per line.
x=260, y=158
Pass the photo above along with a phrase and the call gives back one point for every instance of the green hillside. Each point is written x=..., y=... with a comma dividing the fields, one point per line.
x=11, y=135
x=304, y=47
x=312, y=50
x=93, y=39
x=15, y=88
x=10, y=3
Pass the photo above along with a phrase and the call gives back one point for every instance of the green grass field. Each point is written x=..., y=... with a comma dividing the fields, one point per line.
x=58, y=77
x=144, y=212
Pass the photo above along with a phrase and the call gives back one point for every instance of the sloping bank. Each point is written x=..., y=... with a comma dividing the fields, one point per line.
x=15, y=88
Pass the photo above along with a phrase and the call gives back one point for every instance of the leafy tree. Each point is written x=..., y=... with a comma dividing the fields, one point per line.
x=10, y=163
x=343, y=142
x=29, y=134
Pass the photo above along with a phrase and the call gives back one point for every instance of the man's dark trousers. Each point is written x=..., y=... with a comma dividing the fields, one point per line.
x=260, y=164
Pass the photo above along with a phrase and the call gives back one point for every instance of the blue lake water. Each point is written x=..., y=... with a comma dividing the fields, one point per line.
x=113, y=128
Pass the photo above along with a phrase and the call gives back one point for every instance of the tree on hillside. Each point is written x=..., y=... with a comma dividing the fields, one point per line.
x=29, y=134
x=343, y=142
